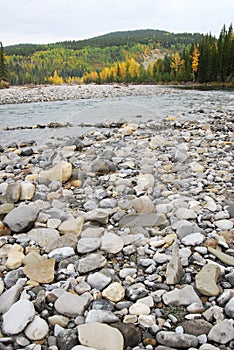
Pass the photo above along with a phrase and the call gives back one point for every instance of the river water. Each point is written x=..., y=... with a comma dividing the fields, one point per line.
x=179, y=103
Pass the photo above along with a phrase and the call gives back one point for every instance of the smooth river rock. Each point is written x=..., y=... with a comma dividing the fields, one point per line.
x=22, y=218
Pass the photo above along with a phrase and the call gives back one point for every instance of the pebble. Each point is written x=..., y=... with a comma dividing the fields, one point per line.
x=121, y=238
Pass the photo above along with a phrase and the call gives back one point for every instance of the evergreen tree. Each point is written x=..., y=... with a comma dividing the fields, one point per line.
x=3, y=70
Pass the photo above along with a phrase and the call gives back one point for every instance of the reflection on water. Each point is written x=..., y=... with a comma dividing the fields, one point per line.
x=171, y=102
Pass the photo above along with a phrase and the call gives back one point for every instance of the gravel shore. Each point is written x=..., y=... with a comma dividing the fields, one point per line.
x=120, y=239
x=46, y=93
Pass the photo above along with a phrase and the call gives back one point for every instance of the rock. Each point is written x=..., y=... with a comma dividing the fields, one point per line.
x=88, y=245
x=27, y=190
x=184, y=296
x=143, y=220
x=43, y=237
x=130, y=333
x=185, y=214
x=193, y=239
x=174, y=271
x=139, y=309
x=183, y=228
x=59, y=172
x=37, y=329
x=114, y=292
x=61, y=253
x=208, y=347
x=99, y=215
x=13, y=192
x=196, y=327
x=196, y=167
x=143, y=204
x=91, y=263
x=224, y=224
x=15, y=257
x=206, y=280
x=227, y=259
x=41, y=272
x=229, y=308
x=11, y=295
x=81, y=347
x=22, y=218
x=17, y=317
x=102, y=167
x=98, y=280
x=210, y=204
x=111, y=243
x=100, y=336
x=222, y=332
x=32, y=258
x=101, y=316
x=67, y=339
x=177, y=340
x=73, y=226
x=72, y=305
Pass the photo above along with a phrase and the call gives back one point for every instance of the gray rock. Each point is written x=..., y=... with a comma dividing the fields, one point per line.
x=22, y=218
x=98, y=280
x=101, y=316
x=224, y=224
x=174, y=270
x=99, y=215
x=67, y=339
x=229, y=308
x=91, y=263
x=13, y=192
x=177, y=340
x=61, y=253
x=222, y=332
x=88, y=245
x=227, y=259
x=184, y=296
x=10, y=296
x=71, y=305
x=193, y=239
x=185, y=214
x=17, y=317
x=111, y=243
x=43, y=237
x=196, y=327
x=143, y=220
x=37, y=329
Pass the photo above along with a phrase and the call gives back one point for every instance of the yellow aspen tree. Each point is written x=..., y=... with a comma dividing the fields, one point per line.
x=150, y=70
x=123, y=70
x=105, y=74
x=133, y=68
x=195, y=61
x=114, y=71
x=177, y=63
x=55, y=79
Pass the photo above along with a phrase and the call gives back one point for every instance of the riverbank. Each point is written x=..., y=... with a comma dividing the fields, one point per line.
x=126, y=232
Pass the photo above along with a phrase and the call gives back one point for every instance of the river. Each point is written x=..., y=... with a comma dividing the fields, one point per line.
x=179, y=103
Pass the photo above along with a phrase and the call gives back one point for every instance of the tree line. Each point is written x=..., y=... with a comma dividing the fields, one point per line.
x=204, y=61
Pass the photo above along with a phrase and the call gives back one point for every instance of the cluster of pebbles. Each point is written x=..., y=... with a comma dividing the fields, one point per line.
x=120, y=239
x=47, y=93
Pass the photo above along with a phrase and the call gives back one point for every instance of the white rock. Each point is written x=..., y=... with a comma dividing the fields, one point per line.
x=139, y=309
x=193, y=239
x=111, y=243
x=224, y=224
x=87, y=245
x=222, y=332
x=185, y=214
x=37, y=329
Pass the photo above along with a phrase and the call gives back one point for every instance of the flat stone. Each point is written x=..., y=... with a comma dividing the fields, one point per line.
x=27, y=190
x=22, y=218
x=196, y=167
x=184, y=296
x=139, y=309
x=15, y=257
x=114, y=292
x=196, y=327
x=88, y=245
x=59, y=172
x=98, y=280
x=222, y=332
x=210, y=204
x=229, y=308
x=17, y=317
x=91, y=263
x=177, y=340
x=224, y=224
x=183, y=228
x=73, y=226
x=143, y=220
x=143, y=204
x=225, y=258
x=37, y=329
x=111, y=243
x=11, y=295
x=32, y=258
x=81, y=347
x=98, y=215
x=185, y=214
x=100, y=336
x=13, y=192
x=174, y=271
x=43, y=237
x=206, y=280
x=208, y=347
x=193, y=239
x=41, y=272
x=72, y=305
x=61, y=253
x=101, y=316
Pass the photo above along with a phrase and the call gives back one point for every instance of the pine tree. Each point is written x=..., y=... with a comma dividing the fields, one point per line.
x=3, y=70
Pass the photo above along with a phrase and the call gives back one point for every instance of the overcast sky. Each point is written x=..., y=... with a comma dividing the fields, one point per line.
x=47, y=21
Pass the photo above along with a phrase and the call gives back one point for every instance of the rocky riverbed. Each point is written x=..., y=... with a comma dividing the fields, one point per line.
x=120, y=239
x=47, y=93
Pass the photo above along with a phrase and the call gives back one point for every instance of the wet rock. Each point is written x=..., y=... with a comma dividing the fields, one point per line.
x=22, y=218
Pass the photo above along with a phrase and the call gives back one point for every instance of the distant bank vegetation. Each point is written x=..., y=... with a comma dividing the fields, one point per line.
x=142, y=56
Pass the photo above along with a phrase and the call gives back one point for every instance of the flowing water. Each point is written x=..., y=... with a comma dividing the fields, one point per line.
x=182, y=104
